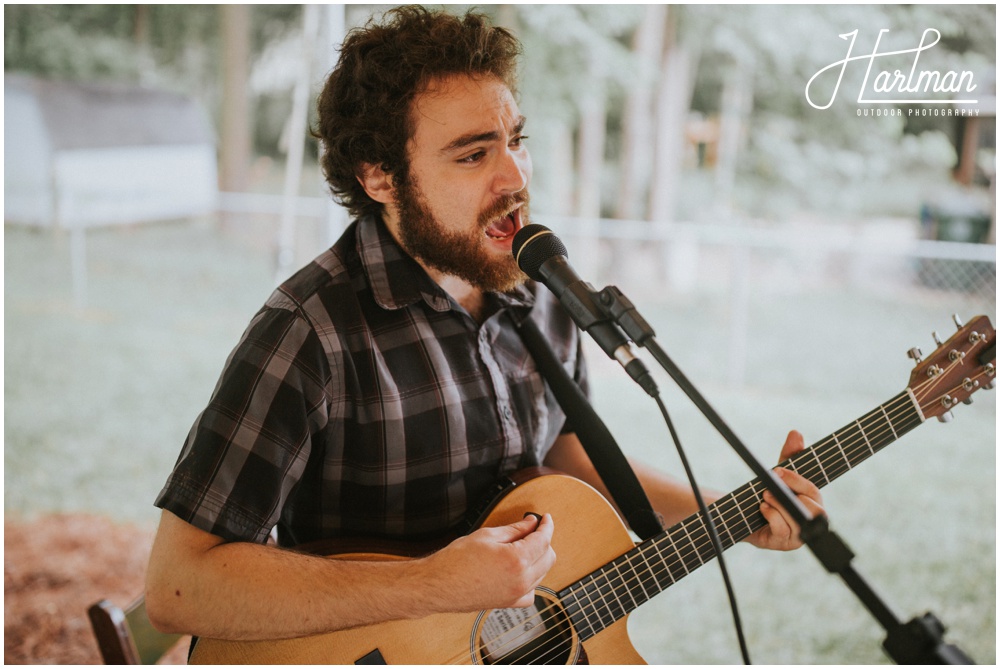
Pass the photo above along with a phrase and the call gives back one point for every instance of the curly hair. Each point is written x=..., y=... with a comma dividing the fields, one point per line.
x=364, y=109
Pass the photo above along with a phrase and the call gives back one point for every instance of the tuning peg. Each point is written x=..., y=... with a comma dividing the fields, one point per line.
x=991, y=385
x=937, y=340
x=946, y=417
x=915, y=354
x=958, y=321
x=967, y=400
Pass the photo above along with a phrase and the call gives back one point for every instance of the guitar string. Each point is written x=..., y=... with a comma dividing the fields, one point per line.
x=810, y=470
x=922, y=389
x=738, y=503
x=926, y=387
x=684, y=554
x=611, y=582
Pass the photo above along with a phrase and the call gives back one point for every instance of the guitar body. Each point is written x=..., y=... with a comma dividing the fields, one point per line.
x=588, y=534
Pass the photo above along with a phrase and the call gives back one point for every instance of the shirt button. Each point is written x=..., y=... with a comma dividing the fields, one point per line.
x=507, y=412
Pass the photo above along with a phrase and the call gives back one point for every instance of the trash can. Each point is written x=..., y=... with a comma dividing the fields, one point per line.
x=958, y=219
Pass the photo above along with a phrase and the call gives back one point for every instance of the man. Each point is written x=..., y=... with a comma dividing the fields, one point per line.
x=383, y=389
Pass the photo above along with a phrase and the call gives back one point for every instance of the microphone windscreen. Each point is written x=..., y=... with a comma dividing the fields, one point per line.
x=533, y=245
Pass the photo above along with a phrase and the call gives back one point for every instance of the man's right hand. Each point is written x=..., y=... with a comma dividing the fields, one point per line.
x=494, y=567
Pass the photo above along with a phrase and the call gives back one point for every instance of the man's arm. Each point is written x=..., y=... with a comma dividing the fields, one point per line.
x=199, y=584
x=674, y=500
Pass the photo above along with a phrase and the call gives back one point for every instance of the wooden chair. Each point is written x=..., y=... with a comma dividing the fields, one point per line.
x=127, y=637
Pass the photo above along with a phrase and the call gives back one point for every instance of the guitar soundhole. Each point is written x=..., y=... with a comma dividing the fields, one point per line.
x=539, y=634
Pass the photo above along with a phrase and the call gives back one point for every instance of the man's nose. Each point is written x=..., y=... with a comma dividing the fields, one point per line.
x=513, y=172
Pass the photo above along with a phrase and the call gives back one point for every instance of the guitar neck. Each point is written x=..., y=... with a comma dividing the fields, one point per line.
x=619, y=587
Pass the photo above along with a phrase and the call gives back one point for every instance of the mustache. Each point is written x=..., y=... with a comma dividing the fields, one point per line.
x=503, y=206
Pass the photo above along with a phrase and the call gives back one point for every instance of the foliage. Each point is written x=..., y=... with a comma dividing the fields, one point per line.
x=827, y=160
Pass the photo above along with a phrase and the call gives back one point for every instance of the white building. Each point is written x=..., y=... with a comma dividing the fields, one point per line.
x=80, y=155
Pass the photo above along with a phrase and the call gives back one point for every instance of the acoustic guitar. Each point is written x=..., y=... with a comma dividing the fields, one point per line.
x=601, y=575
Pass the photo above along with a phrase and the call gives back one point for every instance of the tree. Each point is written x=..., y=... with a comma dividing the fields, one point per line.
x=235, y=138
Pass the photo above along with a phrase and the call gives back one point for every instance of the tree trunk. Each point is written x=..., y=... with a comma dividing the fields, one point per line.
x=637, y=130
x=590, y=153
x=737, y=95
x=672, y=104
x=235, y=143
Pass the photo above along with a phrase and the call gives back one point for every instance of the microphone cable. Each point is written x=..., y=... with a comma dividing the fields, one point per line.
x=710, y=524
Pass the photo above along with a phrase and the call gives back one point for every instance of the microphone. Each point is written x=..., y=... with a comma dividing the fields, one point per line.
x=542, y=256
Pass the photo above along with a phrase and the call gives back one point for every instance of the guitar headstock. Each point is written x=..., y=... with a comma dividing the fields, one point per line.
x=956, y=369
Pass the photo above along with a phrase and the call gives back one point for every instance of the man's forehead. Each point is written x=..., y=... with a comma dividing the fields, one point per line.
x=454, y=107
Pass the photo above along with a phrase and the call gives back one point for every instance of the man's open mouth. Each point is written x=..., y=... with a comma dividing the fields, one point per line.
x=506, y=226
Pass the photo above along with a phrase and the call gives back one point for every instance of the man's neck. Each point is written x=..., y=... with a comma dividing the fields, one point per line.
x=471, y=298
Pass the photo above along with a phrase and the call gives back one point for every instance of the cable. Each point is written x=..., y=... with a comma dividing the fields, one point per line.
x=710, y=524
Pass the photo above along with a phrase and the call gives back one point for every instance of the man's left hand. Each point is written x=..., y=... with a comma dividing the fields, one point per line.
x=781, y=532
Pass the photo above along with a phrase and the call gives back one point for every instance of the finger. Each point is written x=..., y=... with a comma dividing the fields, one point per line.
x=807, y=494
x=798, y=484
x=794, y=443
x=780, y=523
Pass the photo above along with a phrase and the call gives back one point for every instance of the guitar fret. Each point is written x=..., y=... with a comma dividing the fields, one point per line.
x=603, y=588
x=743, y=515
x=836, y=441
x=721, y=522
x=889, y=421
x=597, y=603
x=626, y=589
x=820, y=463
x=666, y=565
x=670, y=535
x=862, y=429
x=648, y=570
x=705, y=536
x=577, y=613
x=700, y=561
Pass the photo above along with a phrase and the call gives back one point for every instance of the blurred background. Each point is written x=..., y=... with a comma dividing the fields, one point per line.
x=159, y=180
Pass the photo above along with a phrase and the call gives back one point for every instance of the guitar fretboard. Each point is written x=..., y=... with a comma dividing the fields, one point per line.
x=609, y=593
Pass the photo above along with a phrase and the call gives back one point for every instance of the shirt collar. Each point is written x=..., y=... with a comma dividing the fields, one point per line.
x=397, y=280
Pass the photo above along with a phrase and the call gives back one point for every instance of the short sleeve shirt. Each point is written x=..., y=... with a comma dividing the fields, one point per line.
x=362, y=400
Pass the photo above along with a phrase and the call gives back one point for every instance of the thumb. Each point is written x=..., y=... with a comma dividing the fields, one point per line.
x=508, y=534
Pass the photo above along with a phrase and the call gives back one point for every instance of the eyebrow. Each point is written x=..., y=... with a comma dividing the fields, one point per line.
x=475, y=137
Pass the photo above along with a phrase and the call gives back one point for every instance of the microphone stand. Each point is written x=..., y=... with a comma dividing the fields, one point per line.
x=919, y=641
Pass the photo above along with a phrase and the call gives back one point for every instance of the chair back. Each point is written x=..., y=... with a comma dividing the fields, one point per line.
x=127, y=637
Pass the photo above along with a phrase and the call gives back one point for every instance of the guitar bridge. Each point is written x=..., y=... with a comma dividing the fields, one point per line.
x=374, y=657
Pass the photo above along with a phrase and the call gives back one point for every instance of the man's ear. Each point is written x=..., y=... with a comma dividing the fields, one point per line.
x=377, y=183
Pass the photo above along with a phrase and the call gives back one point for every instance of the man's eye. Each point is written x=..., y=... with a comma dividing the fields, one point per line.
x=474, y=158
x=517, y=141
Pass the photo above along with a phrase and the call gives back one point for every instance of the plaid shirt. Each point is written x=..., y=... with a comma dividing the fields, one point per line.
x=363, y=400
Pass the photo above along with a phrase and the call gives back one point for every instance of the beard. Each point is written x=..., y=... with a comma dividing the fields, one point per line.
x=460, y=254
